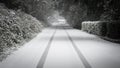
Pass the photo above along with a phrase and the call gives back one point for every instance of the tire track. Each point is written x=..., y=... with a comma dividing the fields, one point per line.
x=82, y=58
x=43, y=58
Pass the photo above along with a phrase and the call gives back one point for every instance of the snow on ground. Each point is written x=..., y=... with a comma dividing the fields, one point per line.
x=98, y=52
x=62, y=53
x=65, y=47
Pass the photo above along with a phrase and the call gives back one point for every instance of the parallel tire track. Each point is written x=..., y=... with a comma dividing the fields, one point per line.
x=82, y=58
x=43, y=58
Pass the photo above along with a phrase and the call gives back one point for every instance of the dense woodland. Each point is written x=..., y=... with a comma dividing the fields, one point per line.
x=75, y=11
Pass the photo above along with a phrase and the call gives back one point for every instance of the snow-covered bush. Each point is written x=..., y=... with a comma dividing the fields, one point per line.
x=94, y=27
x=40, y=9
x=106, y=30
x=16, y=27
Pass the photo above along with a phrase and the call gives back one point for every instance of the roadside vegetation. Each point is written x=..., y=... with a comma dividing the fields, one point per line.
x=16, y=27
x=22, y=20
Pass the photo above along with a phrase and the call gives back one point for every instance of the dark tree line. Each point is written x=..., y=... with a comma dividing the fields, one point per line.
x=76, y=11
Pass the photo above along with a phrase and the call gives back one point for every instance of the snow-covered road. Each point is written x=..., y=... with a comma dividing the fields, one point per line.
x=61, y=46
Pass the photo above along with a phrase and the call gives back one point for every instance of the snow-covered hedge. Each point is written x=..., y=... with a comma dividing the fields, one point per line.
x=107, y=30
x=94, y=27
x=16, y=27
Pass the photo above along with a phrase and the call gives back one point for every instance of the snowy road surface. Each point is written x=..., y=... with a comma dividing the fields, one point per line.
x=61, y=46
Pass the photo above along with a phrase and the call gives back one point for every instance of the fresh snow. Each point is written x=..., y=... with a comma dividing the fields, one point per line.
x=61, y=46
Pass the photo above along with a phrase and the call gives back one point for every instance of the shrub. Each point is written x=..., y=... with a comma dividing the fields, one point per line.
x=16, y=27
x=109, y=30
x=95, y=27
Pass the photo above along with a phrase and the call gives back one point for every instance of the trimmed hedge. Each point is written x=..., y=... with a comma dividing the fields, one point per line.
x=94, y=27
x=107, y=30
